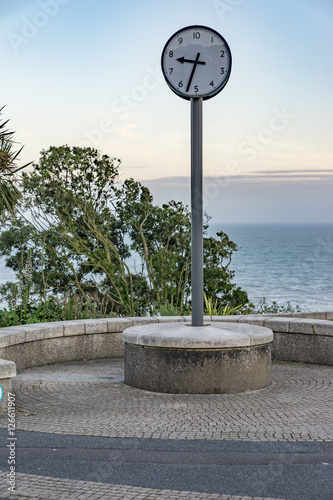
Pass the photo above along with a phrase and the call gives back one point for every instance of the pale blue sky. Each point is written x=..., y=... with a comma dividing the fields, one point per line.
x=87, y=72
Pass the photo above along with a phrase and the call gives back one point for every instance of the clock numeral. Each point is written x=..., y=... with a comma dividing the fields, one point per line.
x=196, y=35
x=212, y=39
x=196, y=88
x=170, y=53
x=171, y=70
x=180, y=84
x=212, y=83
x=180, y=40
x=222, y=71
x=222, y=53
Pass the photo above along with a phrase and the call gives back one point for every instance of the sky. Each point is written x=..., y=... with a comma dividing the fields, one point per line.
x=88, y=73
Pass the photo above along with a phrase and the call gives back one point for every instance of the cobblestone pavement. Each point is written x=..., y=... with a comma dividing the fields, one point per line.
x=90, y=398
x=42, y=488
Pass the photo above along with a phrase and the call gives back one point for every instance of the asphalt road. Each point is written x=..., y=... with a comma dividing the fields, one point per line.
x=289, y=470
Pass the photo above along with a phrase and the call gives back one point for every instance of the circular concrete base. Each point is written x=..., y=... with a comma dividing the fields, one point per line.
x=181, y=359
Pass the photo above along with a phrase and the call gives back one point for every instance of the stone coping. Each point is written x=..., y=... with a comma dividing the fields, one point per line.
x=7, y=369
x=311, y=324
x=213, y=335
x=284, y=324
x=292, y=323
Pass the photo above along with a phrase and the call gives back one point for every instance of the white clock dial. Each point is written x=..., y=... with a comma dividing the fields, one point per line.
x=196, y=62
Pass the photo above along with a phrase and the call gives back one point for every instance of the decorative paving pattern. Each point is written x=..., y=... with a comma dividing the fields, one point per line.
x=90, y=398
x=42, y=488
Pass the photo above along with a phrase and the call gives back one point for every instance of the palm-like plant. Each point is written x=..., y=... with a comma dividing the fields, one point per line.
x=9, y=193
x=212, y=308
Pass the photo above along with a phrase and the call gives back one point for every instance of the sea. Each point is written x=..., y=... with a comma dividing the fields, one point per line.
x=281, y=262
x=284, y=262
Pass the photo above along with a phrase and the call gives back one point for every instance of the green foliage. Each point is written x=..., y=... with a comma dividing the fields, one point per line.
x=9, y=193
x=274, y=308
x=85, y=227
x=213, y=309
x=168, y=310
x=53, y=309
x=160, y=236
x=218, y=277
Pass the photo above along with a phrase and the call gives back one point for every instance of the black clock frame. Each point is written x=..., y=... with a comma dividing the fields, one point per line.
x=178, y=92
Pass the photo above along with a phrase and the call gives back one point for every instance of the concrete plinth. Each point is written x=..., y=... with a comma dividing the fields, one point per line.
x=213, y=359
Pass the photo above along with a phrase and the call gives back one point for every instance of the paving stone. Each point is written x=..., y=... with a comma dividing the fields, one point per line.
x=49, y=488
x=39, y=331
x=277, y=324
x=6, y=337
x=95, y=326
x=254, y=319
x=73, y=327
x=116, y=325
x=230, y=319
x=304, y=326
x=169, y=319
x=323, y=328
x=90, y=398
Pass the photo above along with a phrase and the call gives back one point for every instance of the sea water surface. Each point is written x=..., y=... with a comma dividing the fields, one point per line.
x=284, y=262
x=281, y=262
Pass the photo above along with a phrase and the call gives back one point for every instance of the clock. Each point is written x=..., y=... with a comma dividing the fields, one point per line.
x=196, y=62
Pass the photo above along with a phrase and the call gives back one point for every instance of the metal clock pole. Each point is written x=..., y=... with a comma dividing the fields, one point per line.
x=196, y=61
x=196, y=212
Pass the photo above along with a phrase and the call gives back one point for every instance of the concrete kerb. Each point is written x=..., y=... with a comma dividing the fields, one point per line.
x=305, y=337
x=7, y=373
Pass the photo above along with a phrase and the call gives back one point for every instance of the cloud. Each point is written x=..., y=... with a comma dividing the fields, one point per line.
x=299, y=171
x=25, y=133
x=127, y=130
x=320, y=175
x=135, y=167
x=265, y=196
x=276, y=176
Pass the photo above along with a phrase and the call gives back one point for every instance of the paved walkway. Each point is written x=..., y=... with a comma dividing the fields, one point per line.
x=104, y=440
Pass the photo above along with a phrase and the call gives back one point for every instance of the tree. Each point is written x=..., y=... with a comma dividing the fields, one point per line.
x=69, y=196
x=160, y=236
x=87, y=230
x=9, y=193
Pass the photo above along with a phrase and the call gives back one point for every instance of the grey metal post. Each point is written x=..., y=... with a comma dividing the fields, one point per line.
x=196, y=212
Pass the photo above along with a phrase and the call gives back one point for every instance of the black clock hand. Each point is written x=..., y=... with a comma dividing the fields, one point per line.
x=193, y=70
x=182, y=60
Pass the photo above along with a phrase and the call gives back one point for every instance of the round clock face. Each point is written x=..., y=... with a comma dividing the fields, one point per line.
x=196, y=62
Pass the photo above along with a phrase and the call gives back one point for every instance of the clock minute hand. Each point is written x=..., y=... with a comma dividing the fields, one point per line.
x=195, y=63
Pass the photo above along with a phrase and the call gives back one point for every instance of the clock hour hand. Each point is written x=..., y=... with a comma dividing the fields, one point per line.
x=182, y=60
x=195, y=63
